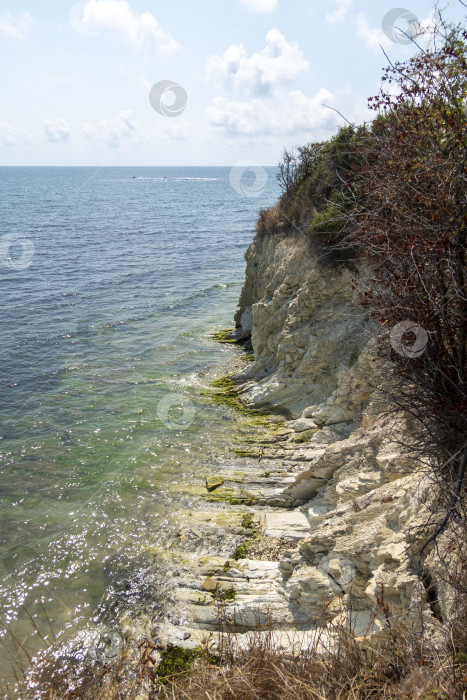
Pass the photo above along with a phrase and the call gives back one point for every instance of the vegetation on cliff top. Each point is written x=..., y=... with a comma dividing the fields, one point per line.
x=391, y=197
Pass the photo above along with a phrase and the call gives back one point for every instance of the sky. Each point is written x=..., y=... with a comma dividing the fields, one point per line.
x=178, y=82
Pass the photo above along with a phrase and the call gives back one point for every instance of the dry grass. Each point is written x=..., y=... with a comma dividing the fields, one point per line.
x=385, y=667
x=404, y=662
x=394, y=663
x=269, y=220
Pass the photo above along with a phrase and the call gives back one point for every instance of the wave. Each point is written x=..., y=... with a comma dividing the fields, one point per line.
x=178, y=179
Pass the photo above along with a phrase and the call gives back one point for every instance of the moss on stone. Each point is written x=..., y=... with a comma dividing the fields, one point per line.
x=228, y=594
x=225, y=382
x=226, y=391
x=222, y=336
x=213, y=482
x=243, y=549
x=248, y=521
x=246, y=453
x=248, y=357
x=176, y=660
x=256, y=418
x=305, y=436
x=226, y=497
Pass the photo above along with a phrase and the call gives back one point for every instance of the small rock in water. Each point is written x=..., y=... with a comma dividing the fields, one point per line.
x=213, y=482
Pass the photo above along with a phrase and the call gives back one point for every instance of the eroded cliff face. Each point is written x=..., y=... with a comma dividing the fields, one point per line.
x=333, y=498
x=312, y=346
x=315, y=358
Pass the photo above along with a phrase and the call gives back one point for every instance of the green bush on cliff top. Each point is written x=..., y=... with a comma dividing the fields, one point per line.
x=314, y=179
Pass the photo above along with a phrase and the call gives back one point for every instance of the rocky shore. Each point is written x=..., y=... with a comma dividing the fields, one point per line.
x=312, y=522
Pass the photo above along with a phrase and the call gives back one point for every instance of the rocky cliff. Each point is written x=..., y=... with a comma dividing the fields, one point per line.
x=315, y=358
x=310, y=340
x=336, y=500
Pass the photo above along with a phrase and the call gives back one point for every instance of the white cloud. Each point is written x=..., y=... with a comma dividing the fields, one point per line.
x=113, y=131
x=260, y=73
x=138, y=30
x=174, y=129
x=260, y=5
x=292, y=113
x=11, y=136
x=373, y=38
x=58, y=130
x=8, y=134
x=16, y=27
x=340, y=12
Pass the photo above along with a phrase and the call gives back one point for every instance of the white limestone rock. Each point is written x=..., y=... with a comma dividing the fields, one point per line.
x=290, y=524
x=301, y=424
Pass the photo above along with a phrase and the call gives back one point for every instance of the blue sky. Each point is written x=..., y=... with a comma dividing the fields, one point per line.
x=76, y=77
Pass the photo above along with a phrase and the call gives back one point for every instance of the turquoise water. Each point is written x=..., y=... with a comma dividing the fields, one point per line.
x=105, y=348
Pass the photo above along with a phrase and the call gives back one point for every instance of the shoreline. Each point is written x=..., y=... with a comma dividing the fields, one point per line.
x=308, y=518
x=328, y=497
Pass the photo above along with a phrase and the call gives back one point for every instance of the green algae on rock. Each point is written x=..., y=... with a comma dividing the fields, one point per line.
x=227, y=335
x=226, y=390
x=176, y=660
x=213, y=482
x=247, y=453
x=248, y=522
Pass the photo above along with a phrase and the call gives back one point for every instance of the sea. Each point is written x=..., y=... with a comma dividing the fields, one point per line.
x=112, y=282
